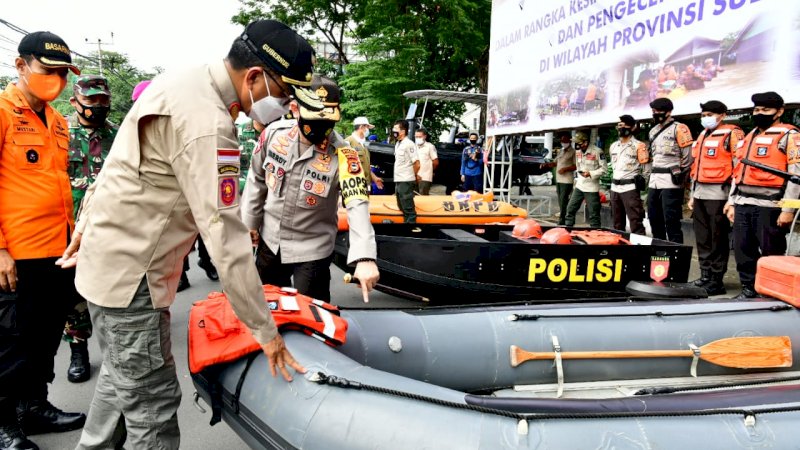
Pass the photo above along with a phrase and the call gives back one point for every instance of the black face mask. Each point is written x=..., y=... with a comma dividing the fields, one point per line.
x=763, y=121
x=316, y=131
x=659, y=117
x=625, y=132
x=473, y=141
x=95, y=114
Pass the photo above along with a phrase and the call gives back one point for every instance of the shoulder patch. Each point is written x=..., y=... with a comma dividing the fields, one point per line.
x=683, y=136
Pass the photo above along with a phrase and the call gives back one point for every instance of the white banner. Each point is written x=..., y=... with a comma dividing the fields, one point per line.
x=572, y=63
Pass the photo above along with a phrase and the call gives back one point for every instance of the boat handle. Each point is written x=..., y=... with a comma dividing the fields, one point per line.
x=196, y=402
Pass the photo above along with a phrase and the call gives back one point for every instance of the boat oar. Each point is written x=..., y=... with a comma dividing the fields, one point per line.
x=348, y=278
x=741, y=352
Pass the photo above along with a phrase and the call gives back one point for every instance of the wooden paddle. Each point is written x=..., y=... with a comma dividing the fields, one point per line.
x=740, y=352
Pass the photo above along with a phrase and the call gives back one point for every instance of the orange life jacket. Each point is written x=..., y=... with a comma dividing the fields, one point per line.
x=217, y=336
x=762, y=148
x=599, y=237
x=713, y=160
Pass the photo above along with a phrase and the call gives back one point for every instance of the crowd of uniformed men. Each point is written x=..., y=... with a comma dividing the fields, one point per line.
x=719, y=168
x=171, y=176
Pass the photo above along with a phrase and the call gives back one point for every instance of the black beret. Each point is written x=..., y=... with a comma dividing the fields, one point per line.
x=661, y=104
x=628, y=120
x=767, y=100
x=714, y=106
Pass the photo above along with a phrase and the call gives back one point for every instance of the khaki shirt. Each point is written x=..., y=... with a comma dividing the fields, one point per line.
x=565, y=157
x=292, y=197
x=591, y=160
x=426, y=153
x=671, y=148
x=167, y=177
x=405, y=155
x=626, y=164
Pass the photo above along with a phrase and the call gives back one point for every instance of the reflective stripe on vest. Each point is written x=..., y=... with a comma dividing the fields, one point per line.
x=713, y=161
x=217, y=336
x=762, y=148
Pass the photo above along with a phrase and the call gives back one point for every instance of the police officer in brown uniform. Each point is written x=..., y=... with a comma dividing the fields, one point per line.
x=712, y=168
x=629, y=162
x=670, y=154
x=291, y=199
x=759, y=225
x=173, y=171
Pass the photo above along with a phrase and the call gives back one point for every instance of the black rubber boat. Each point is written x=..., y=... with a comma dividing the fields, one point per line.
x=465, y=264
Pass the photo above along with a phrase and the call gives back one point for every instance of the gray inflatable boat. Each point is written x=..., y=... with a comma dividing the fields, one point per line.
x=443, y=378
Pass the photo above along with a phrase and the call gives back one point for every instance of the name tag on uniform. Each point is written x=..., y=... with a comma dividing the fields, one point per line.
x=712, y=144
x=763, y=140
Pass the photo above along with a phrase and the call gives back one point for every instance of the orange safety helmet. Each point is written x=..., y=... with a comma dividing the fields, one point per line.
x=516, y=220
x=556, y=236
x=526, y=229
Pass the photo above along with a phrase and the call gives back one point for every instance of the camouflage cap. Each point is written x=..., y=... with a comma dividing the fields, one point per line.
x=88, y=85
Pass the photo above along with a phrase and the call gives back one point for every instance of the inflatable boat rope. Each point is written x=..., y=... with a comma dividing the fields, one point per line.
x=749, y=414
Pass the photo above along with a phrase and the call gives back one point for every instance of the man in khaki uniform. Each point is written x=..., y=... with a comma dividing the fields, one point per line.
x=291, y=199
x=591, y=165
x=172, y=172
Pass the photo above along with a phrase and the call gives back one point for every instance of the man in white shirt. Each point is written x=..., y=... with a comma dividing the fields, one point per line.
x=406, y=169
x=428, y=161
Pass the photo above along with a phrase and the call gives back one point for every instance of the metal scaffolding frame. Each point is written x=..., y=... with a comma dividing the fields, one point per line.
x=497, y=178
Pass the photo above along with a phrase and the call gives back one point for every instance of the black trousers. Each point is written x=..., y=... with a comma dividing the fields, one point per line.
x=665, y=210
x=202, y=253
x=564, y=192
x=312, y=278
x=712, y=230
x=31, y=325
x=628, y=204
x=592, y=207
x=756, y=233
x=404, y=191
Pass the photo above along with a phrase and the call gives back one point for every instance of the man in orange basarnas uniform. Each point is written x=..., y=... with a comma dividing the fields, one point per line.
x=36, y=221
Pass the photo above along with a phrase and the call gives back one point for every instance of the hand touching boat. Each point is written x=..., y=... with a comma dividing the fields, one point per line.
x=368, y=275
x=278, y=356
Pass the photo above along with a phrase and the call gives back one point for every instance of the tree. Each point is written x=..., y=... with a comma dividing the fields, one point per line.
x=122, y=77
x=406, y=45
x=331, y=19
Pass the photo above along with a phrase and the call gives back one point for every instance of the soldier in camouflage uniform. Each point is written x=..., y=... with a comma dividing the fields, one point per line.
x=90, y=140
x=248, y=137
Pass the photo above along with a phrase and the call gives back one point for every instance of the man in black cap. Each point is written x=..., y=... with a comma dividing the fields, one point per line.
x=36, y=219
x=300, y=169
x=712, y=168
x=630, y=162
x=670, y=155
x=759, y=225
x=173, y=172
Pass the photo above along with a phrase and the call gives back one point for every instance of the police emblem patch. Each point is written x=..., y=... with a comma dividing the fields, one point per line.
x=761, y=151
x=311, y=200
x=308, y=185
x=281, y=172
x=32, y=156
x=711, y=152
x=319, y=187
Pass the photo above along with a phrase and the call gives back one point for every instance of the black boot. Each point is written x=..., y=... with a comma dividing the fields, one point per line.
x=184, y=283
x=705, y=278
x=79, y=367
x=747, y=292
x=12, y=438
x=715, y=286
x=208, y=266
x=40, y=416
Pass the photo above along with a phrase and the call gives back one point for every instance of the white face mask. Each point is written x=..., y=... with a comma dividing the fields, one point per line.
x=708, y=122
x=269, y=108
x=564, y=144
x=419, y=141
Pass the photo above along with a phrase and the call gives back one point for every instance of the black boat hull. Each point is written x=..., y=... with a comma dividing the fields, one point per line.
x=500, y=268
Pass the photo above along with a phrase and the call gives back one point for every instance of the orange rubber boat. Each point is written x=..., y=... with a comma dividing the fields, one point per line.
x=459, y=208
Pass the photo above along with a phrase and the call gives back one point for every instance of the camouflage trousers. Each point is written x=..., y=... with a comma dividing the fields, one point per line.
x=79, y=325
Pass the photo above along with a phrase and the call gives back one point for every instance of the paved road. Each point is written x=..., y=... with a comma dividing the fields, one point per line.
x=196, y=434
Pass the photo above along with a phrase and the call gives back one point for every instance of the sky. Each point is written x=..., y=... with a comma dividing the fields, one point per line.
x=168, y=33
